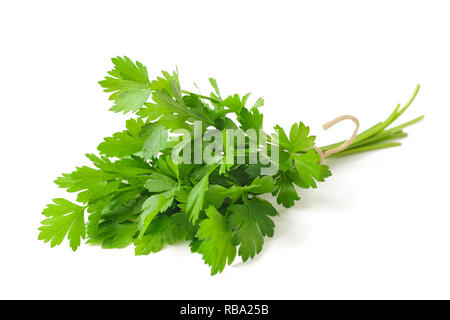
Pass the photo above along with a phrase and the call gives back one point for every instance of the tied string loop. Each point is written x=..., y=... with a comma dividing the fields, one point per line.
x=343, y=146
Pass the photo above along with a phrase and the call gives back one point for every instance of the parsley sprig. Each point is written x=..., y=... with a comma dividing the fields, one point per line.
x=135, y=193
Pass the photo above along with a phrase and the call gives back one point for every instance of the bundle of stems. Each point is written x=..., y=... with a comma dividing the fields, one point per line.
x=379, y=136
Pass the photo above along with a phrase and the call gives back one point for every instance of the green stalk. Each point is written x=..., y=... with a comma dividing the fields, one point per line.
x=366, y=148
x=406, y=124
x=379, y=138
x=200, y=96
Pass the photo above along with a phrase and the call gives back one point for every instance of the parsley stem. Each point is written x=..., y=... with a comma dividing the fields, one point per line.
x=406, y=124
x=200, y=96
x=385, y=135
x=366, y=148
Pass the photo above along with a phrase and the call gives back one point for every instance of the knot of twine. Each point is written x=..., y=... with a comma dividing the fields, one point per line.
x=343, y=146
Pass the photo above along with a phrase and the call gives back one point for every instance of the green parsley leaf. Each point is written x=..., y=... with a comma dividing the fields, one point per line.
x=234, y=102
x=83, y=178
x=251, y=223
x=164, y=230
x=286, y=192
x=259, y=103
x=152, y=206
x=156, y=139
x=299, y=138
x=114, y=235
x=129, y=83
x=64, y=218
x=125, y=167
x=159, y=182
x=262, y=185
x=196, y=198
x=216, y=241
x=164, y=83
x=252, y=119
x=309, y=169
x=213, y=83
x=124, y=143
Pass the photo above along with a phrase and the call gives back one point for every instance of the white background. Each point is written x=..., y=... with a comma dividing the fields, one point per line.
x=378, y=228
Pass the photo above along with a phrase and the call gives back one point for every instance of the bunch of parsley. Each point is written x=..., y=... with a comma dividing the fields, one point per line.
x=135, y=192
